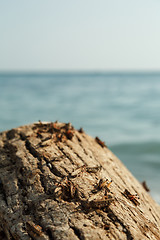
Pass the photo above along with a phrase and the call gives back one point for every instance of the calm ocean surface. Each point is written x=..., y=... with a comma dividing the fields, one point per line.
x=123, y=109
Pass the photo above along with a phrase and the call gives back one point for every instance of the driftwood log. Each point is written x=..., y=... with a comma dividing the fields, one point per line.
x=59, y=183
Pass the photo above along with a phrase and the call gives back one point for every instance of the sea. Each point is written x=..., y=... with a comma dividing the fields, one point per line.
x=121, y=108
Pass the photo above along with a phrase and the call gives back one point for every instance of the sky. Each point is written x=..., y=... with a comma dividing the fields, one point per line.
x=84, y=35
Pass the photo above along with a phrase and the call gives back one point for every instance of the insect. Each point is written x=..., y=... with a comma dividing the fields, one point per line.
x=84, y=169
x=69, y=134
x=108, y=185
x=145, y=186
x=42, y=126
x=40, y=123
x=68, y=126
x=55, y=126
x=93, y=169
x=97, y=204
x=78, y=171
x=66, y=189
x=33, y=228
x=72, y=189
x=131, y=197
x=102, y=144
x=81, y=130
x=101, y=185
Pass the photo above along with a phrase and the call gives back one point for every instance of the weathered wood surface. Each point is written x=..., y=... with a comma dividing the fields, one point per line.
x=55, y=183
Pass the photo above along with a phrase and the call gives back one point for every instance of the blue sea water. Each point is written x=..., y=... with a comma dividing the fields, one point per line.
x=123, y=109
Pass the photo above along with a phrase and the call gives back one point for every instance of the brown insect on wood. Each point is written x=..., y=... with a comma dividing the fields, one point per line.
x=81, y=130
x=50, y=128
x=69, y=134
x=102, y=144
x=40, y=123
x=55, y=126
x=97, y=204
x=41, y=127
x=72, y=189
x=93, y=169
x=144, y=184
x=32, y=227
x=59, y=137
x=102, y=184
x=66, y=189
x=131, y=197
x=108, y=185
x=81, y=170
x=68, y=126
x=107, y=190
x=76, y=172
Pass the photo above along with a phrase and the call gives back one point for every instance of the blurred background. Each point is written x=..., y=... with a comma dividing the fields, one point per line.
x=94, y=64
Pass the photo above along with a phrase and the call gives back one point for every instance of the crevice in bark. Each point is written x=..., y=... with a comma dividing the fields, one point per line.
x=53, y=169
x=39, y=156
x=32, y=150
x=10, y=150
x=82, y=147
x=154, y=216
x=77, y=232
x=49, y=233
x=67, y=155
x=75, y=153
x=22, y=136
x=79, y=140
x=3, y=235
x=11, y=134
x=56, y=172
x=3, y=192
x=36, y=155
x=84, y=150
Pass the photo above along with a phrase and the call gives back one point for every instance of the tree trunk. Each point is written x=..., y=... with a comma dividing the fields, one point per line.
x=59, y=183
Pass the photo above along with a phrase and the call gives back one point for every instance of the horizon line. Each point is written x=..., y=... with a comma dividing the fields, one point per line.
x=63, y=71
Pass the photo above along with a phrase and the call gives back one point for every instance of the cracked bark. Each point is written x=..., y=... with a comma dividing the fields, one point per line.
x=55, y=183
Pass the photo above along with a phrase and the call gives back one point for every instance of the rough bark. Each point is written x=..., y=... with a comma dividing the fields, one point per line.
x=59, y=183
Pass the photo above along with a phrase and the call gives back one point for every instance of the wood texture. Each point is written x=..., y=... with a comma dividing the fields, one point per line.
x=59, y=183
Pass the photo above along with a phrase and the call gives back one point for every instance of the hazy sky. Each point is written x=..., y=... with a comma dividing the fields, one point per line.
x=79, y=35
